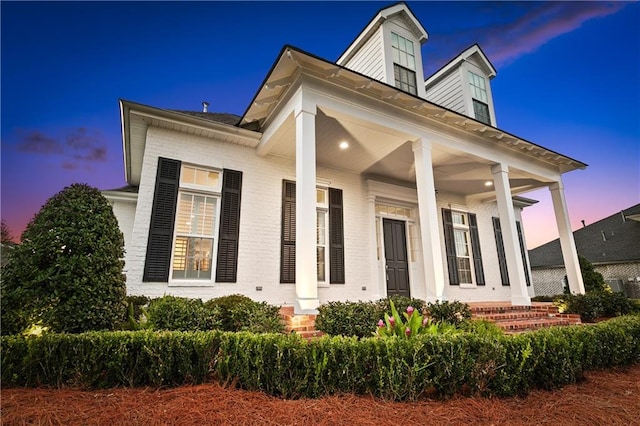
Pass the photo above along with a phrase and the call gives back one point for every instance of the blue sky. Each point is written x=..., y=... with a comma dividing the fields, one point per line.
x=568, y=79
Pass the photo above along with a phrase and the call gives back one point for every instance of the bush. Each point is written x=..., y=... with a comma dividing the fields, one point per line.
x=182, y=314
x=291, y=367
x=348, y=318
x=593, y=280
x=360, y=318
x=543, y=298
x=240, y=313
x=454, y=312
x=594, y=305
x=67, y=272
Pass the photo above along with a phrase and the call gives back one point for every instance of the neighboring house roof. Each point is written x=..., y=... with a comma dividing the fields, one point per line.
x=613, y=239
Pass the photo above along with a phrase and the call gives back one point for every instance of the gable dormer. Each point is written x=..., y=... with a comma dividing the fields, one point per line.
x=463, y=85
x=389, y=50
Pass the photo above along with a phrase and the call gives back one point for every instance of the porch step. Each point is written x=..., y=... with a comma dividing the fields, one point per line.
x=517, y=319
x=302, y=325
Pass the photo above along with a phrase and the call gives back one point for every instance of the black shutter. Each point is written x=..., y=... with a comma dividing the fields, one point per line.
x=336, y=237
x=475, y=247
x=288, y=240
x=523, y=253
x=450, y=245
x=163, y=215
x=502, y=259
x=227, y=263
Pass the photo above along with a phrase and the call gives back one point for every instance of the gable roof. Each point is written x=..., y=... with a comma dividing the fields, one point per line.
x=613, y=239
x=472, y=51
x=400, y=8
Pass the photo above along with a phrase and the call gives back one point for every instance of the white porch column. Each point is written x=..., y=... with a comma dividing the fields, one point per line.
x=428, y=212
x=515, y=267
x=306, y=274
x=567, y=244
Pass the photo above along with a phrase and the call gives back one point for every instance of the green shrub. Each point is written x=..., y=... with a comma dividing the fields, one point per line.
x=592, y=279
x=179, y=313
x=288, y=366
x=543, y=298
x=481, y=327
x=67, y=272
x=240, y=313
x=360, y=318
x=454, y=312
x=594, y=305
x=348, y=318
x=413, y=324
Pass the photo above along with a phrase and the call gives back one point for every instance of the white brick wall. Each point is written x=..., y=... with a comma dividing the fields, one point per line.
x=125, y=212
x=260, y=221
x=493, y=290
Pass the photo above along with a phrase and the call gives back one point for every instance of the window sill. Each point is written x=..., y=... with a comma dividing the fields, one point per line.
x=468, y=286
x=191, y=283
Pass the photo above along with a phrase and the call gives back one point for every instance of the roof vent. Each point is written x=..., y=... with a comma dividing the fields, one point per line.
x=205, y=106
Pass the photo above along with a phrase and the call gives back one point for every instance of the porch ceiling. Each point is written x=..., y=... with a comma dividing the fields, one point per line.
x=385, y=154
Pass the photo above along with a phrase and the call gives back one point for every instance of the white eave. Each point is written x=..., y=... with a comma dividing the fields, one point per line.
x=136, y=118
x=293, y=63
x=374, y=24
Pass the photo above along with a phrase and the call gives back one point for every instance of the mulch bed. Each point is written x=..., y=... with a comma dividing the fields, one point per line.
x=604, y=398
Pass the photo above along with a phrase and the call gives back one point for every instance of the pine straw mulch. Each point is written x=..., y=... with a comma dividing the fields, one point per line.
x=604, y=398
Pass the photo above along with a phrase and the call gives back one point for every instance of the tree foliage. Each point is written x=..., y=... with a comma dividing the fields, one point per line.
x=592, y=279
x=67, y=273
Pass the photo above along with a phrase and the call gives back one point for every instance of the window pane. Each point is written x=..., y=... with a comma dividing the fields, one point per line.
x=321, y=197
x=320, y=252
x=321, y=228
x=187, y=175
x=192, y=258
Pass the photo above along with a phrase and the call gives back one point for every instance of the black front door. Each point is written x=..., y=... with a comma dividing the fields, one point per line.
x=395, y=250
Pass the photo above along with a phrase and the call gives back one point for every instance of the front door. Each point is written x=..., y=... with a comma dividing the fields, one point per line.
x=395, y=250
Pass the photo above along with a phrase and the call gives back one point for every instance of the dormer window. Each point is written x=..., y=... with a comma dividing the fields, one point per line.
x=404, y=64
x=480, y=99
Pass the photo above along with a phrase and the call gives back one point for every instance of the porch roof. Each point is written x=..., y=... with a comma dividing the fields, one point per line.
x=293, y=62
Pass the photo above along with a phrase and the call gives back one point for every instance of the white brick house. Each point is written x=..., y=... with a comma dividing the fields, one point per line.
x=346, y=180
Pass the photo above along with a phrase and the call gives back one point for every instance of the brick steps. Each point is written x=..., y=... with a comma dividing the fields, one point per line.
x=518, y=319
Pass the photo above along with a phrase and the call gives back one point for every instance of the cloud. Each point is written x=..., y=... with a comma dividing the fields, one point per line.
x=36, y=142
x=81, y=146
x=527, y=27
x=533, y=30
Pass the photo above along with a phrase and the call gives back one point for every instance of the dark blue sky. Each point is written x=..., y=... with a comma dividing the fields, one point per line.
x=568, y=79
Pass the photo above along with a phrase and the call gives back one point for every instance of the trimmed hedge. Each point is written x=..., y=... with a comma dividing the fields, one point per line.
x=595, y=304
x=291, y=367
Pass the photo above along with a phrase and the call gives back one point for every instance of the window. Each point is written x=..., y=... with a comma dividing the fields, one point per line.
x=329, y=235
x=322, y=233
x=401, y=213
x=462, y=243
x=480, y=98
x=194, y=211
x=196, y=223
x=463, y=247
x=404, y=63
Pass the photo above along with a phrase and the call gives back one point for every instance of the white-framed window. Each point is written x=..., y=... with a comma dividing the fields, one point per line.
x=464, y=256
x=322, y=233
x=480, y=98
x=197, y=220
x=404, y=63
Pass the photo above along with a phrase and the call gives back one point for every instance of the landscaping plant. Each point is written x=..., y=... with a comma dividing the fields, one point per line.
x=66, y=275
x=414, y=324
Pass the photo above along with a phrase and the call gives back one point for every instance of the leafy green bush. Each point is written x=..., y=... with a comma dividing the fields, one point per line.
x=182, y=314
x=348, y=318
x=543, y=298
x=240, y=313
x=594, y=305
x=481, y=327
x=67, y=272
x=592, y=279
x=288, y=366
x=454, y=312
x=360, y=318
